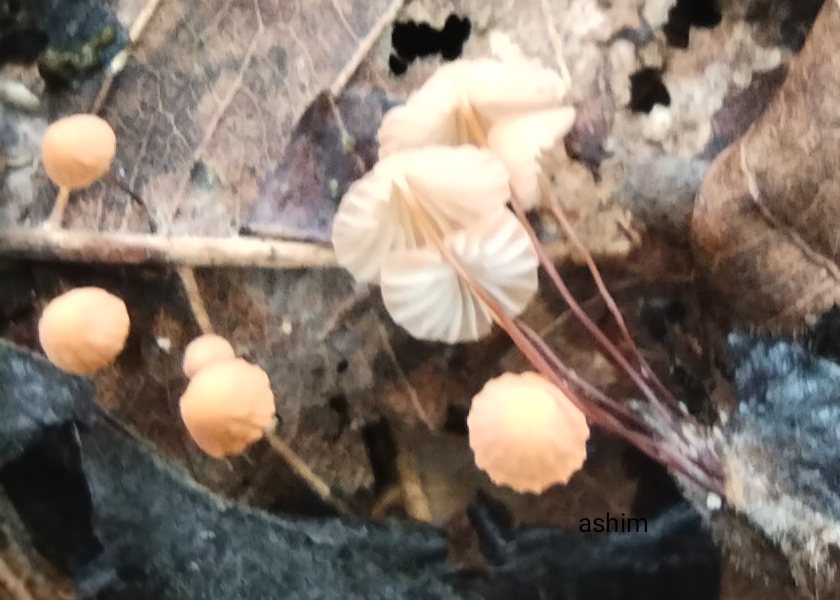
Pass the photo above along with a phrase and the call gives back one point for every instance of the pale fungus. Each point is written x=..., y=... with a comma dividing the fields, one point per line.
x=227, y=407
x=519, y=142
x=84, y=330
x=409, y=196
x=525, y=433
x=424, y=293
x=76, y=151
x=205, y=350
x=461, y=101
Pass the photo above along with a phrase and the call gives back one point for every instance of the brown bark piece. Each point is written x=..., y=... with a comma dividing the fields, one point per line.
x=764, y=225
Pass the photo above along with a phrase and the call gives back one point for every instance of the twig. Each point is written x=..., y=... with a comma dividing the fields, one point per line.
x=145, y=249
x=390, y=498
x=365, y=46
x=196, y=301
x=302, y=470
x=119, y=61
x=13, y=583
x=411, y=487
x=409, y=389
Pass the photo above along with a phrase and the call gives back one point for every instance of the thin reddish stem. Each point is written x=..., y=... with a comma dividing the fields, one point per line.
x=559, y=214
x=606, y=345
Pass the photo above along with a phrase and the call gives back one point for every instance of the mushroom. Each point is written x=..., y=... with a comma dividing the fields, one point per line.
x=461, y=101
x=76, y=151
x=525, y=433
x=205, y=350
x=84, y=330
x=520, y=140
x=445, y=187
x=227, y=407
x=424, y=294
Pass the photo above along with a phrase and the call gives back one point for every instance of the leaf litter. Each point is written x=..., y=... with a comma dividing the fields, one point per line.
x=215, y=107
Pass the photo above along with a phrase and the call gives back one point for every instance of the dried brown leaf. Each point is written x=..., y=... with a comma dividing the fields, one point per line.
x=764, y=223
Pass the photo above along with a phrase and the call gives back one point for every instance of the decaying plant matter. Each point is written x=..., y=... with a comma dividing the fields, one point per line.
x=766, y=214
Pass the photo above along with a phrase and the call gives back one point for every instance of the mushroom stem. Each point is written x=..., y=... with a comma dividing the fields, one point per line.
x=57, y=214
x=302, y=470
x=606, y=345
x=195, y=299
x=559, y=214
x=428, y=228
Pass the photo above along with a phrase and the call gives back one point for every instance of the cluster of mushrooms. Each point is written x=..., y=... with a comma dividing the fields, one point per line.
x=430, y=224
x=228, y=404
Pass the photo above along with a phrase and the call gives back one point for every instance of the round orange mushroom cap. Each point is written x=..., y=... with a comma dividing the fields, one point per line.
x=227, y=407
x=206, y=350
x=525, y=433
x=84, y=330
x=77, y=150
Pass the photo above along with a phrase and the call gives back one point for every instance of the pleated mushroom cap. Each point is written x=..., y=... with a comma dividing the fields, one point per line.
x=424, y=294
x=84, y=330
x=227, y=407
x=489, y=89
x=205, y=350
x=453, y=186
x=525, y=433
x=520, y=140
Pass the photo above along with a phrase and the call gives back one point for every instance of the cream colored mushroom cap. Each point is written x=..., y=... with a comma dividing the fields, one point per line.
x=84, y=330
x=525, y=433
x=78, y=150
x=452, y=185
x=490, y=89
x=519, y=141
x=205, y=350
x=424, y=294
x=227, y=407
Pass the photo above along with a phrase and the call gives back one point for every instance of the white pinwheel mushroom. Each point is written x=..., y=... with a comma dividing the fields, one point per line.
x=424, y=294
x=461, y=101
x=392, y=206
x=519, y=142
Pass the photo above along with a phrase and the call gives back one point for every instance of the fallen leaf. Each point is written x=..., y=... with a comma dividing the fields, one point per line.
x=333, y=144
x=763, y=225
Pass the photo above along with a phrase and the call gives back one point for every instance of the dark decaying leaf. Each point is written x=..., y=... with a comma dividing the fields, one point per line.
x=332, y=145
x=543, y=563
x=166, y=538
x=764, y=225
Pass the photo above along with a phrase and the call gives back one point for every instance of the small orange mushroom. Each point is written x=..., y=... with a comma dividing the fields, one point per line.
x=84, y=330
x=227, y=407
x=206, y=350
x=76, y=151
x=525, y=433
